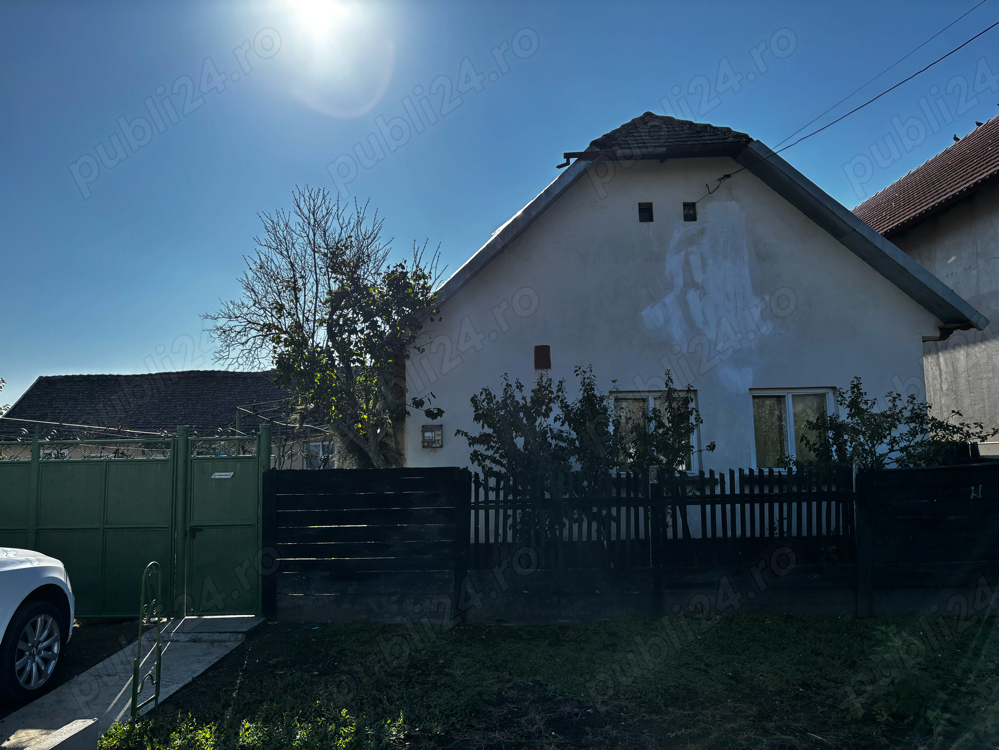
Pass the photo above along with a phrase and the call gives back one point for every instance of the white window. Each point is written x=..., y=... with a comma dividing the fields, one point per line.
x=780, y=420
x=320, y=455
x=630, y=406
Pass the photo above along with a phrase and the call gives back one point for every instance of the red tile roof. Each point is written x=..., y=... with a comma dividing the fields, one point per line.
x=932, y=186
x=655, y=134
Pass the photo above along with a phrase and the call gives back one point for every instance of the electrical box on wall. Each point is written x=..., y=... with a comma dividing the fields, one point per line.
x=433, y=436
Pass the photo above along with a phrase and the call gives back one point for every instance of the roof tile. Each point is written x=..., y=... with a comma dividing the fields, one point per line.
x=652, y=134
x=936, y=183
x=204, y=399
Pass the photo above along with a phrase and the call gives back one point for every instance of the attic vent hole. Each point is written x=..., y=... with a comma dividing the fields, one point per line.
x=645, y=212
x=690, y=212
x=543, y=357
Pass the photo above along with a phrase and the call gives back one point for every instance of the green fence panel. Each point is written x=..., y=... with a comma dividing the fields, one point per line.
x=126, y=554
x=138, y=528
x=80, y=552
x=70, y=524
x=107, y=518
x=15, y=489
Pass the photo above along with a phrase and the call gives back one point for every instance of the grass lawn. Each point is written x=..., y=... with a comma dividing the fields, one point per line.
x=733, y=681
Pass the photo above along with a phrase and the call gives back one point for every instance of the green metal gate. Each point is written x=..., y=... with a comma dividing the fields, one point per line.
x=224, y=531
x=106, y=508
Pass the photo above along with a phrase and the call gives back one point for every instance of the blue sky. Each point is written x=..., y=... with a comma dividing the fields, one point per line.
x=106, y=264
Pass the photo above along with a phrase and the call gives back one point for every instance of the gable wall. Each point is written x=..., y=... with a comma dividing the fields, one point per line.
x=787, y=305
x=961, y=247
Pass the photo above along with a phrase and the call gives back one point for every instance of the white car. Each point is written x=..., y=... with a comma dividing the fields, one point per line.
x=36, y=620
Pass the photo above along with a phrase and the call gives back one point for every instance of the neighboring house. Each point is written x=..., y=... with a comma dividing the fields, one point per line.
x=142, y=406
x=764, y=295
x=945, y=215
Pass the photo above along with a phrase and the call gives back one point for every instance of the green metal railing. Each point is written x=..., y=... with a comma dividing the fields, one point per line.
x=150, y=615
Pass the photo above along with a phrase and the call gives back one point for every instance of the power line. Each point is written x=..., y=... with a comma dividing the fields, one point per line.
x=852, y=111
x=888, y=90
x=901, y=59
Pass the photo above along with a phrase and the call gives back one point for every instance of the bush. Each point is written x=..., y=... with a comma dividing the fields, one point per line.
x=540, y=437
x=903, y=434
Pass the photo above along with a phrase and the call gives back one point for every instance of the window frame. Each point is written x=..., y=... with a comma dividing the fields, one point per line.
x=828, y=391
x=311, y=456
x=650, y=396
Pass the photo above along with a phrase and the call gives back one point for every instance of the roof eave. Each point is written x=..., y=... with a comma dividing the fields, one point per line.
x=676, y=152
x=985, y=183
x=926, y=289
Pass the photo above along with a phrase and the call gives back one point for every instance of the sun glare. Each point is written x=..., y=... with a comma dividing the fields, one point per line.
x=344, y=56
x=322, y=19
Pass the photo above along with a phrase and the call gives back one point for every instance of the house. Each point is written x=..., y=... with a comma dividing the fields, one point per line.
x=669, y=244
x=945, y=215
x=141, y=406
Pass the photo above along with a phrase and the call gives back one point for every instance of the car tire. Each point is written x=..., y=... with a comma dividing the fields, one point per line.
x=31, y=650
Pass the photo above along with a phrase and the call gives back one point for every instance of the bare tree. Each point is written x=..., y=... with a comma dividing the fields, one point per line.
x=322, y=304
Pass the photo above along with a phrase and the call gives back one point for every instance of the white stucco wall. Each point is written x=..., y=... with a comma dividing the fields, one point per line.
x=961, y=247
x=786, y=304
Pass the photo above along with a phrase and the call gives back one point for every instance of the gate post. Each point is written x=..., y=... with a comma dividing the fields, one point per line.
x=266, y=516
x=657, y=522
x=461, y=489
x=36, y=455
x=182, y=459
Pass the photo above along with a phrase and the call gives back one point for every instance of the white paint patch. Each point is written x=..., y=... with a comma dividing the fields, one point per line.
x=708, y=283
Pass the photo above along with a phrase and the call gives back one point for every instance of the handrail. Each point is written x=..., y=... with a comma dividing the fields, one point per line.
x=150, y=613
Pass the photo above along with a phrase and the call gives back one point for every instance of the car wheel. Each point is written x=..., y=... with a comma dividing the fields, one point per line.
x=30, y=651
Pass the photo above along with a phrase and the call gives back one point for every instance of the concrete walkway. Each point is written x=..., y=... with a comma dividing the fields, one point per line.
x=190, y=646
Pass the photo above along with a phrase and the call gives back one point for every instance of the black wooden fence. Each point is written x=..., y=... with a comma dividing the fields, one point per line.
x=380, y=544
x=924, y=529
x=693, y=521
x=346, y=537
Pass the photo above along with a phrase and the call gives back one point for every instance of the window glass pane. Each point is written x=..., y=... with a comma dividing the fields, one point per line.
x=806, y=407
x=770, y=427
x=630, y=411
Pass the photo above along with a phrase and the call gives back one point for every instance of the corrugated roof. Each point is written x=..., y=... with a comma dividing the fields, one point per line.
x=653, y=134
x=932, y=186
x=204, y=399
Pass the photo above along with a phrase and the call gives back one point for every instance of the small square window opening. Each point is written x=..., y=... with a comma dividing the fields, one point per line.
x=690, y=212
x=645, y=212
x=543, y=357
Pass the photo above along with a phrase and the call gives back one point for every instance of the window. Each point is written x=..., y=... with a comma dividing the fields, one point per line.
x=320, y=456
x=645, y=212
x=690, y=212
x=632, y=407
x=778, y=415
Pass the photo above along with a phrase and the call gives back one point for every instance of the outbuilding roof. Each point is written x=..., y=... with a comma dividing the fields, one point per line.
x=949, y=176
x=206, y=400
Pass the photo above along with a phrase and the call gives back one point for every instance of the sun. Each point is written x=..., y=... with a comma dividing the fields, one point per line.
x=323, y=19
x=343, y=55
